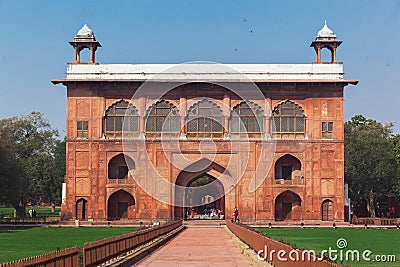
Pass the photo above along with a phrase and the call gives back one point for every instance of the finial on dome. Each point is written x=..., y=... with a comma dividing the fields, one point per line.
x=85, y=33
x=325, y=33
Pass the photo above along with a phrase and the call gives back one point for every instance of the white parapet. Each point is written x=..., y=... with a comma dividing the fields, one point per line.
x=206, y=72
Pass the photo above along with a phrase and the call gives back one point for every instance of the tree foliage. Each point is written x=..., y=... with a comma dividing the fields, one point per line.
x=396, y=144
x=59, y=171
x=370, y=162
x=29, y=144
x=10, y=172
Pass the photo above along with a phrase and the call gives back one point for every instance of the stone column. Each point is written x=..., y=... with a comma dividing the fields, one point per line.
x=77, y=57
x=182, y=114
x=334, y=55
x=267, y=126
x=318, y=54
x=142, y=113
x=226, y=114
x=92, y=54
x=306, y=128
x=267, y=118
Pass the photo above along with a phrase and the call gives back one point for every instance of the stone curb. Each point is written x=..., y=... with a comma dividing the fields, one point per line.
x=143, y=251
x=247, y=251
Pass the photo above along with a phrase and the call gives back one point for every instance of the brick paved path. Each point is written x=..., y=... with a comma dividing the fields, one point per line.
x=206, y=246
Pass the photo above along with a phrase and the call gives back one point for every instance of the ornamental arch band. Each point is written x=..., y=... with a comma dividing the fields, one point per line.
x=148, y=141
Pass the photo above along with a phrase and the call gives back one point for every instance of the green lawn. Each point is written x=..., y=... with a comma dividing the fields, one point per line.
x=379, y=241
x=40, y=211
x=19, y=243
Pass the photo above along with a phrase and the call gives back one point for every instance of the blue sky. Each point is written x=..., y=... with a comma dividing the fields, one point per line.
x=34, y=45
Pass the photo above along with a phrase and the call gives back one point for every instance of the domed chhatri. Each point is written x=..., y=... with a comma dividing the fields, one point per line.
x=326, y=39
x=85, y=39
x=85, y=33
x=325, y=33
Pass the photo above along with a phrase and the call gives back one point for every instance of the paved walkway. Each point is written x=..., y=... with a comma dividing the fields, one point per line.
x=207, y=246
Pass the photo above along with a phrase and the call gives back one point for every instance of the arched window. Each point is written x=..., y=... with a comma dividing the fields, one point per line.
x=162, y=119
x=121, y=120
x=288, y=121
x=288, y=167
x=246, y=121
x=204, y=120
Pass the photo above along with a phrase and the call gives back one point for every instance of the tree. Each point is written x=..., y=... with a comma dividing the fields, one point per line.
x=370, y=162
x=10, y=171
x=396, y=144
x=31, y=142
x=59, y=171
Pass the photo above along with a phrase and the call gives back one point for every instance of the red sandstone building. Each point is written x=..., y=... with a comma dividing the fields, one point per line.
x=149, y=141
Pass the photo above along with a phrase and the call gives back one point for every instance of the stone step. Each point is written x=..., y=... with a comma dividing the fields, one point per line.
x=204, y=223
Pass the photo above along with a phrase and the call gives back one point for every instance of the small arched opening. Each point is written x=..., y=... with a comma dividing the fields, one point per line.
x=327, y=210
x=288, y=167
x=326, y=55
x=84, y=55
x=120, y=166
x=80, y=209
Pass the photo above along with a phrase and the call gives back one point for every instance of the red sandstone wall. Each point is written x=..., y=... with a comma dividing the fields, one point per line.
x=322, y=160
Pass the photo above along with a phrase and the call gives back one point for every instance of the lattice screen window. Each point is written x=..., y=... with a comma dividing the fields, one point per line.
x=288, y=121
x=82, y=129
x=121, y=120
x=162, y=119
x=204, y=120
x=327, y=129
x=246, y=121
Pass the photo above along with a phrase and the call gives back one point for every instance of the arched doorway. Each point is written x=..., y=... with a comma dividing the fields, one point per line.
x=80, y=209
x=119, y=205
x=197, y=189
x=288, y=207
x=327, y=210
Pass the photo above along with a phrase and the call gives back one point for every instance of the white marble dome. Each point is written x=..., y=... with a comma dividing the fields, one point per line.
x=325, y=33
x=85, y=33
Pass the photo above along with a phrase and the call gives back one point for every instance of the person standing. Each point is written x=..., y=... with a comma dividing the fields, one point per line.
x=236, y=214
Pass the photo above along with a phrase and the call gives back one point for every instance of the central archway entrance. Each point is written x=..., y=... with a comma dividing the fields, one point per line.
x=200, y=194
x=204, y=198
